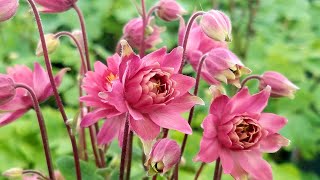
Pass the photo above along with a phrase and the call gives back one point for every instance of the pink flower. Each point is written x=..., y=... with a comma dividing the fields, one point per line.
x=57, y=175
x=21, y=103
x=169, y=10
x=55, y=6
x=198, y=43
x=8, y=9
x=280, y=85
x=216, y=25
x=222, y=65
x=238, y=132
x=149, y=89
x=132, y=32
x=164, y=155
x=7, y=89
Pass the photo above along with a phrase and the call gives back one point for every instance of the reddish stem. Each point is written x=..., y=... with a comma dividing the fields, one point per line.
x=54, y=88
x=129, y=155
x=42, y=126
x=217, y=170
x=144, y=24
x=34, y=172
x=94, y=146
x=199, y=171
x=152, y=9
x=124, y=148
x=258, y=77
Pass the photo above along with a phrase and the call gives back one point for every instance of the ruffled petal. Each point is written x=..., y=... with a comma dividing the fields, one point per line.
x=145, y=128
x=272, y=122
x=209, y=150
x=273, y=143
x=9, y=117
x=110, y=129
x=173, y=59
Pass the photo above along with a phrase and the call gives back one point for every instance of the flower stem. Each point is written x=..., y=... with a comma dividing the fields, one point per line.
x=84, y=34
x=129, y=158
x=42, y=126
x=186, y=36
x=258, y=77
x=94, y=147
x=54, y=88
x=217, y=170
x=124, y=148
x=35, y=172
x=199, y=171
x=152, y=9
x=144, y=24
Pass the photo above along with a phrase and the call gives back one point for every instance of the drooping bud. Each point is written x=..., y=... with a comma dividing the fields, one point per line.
x=7, y=89
x=169, y=10
x=164, y=155
x=13, y=173
x=78, y=35
x=126, y=49
x=280, y=85
x=216, y=25
x=56, y=6
x=8, y=9
x=52, y=44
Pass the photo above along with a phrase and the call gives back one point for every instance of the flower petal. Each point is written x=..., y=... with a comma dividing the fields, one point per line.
x=40, y=80
x=218, y=105
x=184, y=83
x=209, y=127
x=116, y=97
x=96, y=115
x=173, y=59
x=110, y=129
x=209, y=150
x=227, y=160
x=273, y=143
x=272, y=122
x=184, y=103
x=8, y=117
x=145, y=128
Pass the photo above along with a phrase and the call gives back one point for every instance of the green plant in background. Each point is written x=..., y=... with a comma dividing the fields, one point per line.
x=267, y=35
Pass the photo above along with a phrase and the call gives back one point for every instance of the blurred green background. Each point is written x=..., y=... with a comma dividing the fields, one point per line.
x=284, y=36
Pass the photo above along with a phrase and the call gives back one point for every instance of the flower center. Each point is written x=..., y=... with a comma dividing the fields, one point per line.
x=158, y=167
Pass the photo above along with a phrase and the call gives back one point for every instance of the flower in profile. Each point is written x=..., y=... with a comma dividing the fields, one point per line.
x=280, y=85
x=7, y=89
x=216, y=25
x=13, y=173
x=198, y=43
x=52, y=44
x=238, y=132
x=169, y=10
x=38, y=80
x=224, y=66
x=8, y=9
x=57, y=175
x=164, y=155
x=55, y=6
x=132, y=32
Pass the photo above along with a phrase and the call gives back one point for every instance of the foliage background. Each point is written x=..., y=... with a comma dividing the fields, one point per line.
x=285, y=37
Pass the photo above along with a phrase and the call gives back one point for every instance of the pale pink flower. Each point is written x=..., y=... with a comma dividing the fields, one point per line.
x=216, y=25
x=8, y=9
x=57, y=175
x=224, y=66
x=7, y=89
x=55, y=6
x=238, y=132
x=280, y=85
x=132, y=32
x=38, y=80
x=164, y=155
x=169, y=10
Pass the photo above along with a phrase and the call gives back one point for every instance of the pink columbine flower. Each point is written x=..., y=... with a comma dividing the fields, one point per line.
x=198, y=43
x=216, y=25
x=164, y=155
x=169, y=10
x=55, y=6
x=57, y=175
x=132, y=32
x=224, y=66
x=238, y=132
x=8, y=9
x=280, y=85
x=7, y=89
x=149, y=89
x=21, y=103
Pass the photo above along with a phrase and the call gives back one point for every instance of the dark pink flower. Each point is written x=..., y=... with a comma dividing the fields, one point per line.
x=132, y=32
x=8, y=9
x=164, y=155
x=280, y=85
x=7, y=89
x=238, y=132
x=38, y=80
x=169, y=10
x=55, y=6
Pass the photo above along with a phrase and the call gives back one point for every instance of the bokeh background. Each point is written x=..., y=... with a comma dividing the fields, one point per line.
x=278, y=35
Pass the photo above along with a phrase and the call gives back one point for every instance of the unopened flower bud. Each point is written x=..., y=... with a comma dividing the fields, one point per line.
x=216, y=25
x=52, y=43
x=78, y=35
x=13, y=173
x=7, y=89
x=280, y=85
x=164, y=155
x=169, y=10
x=8, y=9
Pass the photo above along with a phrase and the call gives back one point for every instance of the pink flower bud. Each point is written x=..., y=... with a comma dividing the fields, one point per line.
x=8, y=9
x=280, y=85
x=7, y=89
x=169, y=10
x=164, y=155
x=55, y=6
x=216, y=25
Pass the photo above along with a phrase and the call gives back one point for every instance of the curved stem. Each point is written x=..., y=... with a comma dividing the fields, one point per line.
x=144, y=24
x=43, y=130
x=129, y=155
x=199, y=171
x=35, y=172
x=54, y=88
x=186, y=36
x=84, y=34
x=217, y=170
x=258, y=77
x=124, y=148
x=152, y=9
x=196, y=88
